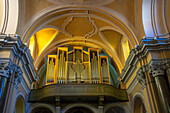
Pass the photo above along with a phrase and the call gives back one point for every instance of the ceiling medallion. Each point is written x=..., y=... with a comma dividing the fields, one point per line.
x=79, y=26
x=82, y=2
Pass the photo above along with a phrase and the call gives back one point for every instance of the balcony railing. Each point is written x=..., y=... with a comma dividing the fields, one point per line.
x=78, y=90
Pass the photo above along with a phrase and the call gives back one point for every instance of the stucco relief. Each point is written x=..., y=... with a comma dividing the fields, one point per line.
x=82, y=2
x=79, y=26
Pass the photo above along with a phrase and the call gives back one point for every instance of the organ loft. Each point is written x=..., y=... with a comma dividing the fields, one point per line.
x=84, y=56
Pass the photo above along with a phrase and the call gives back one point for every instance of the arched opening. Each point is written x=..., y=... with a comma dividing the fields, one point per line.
x=40, y=40
x=19, y=106
x=41, y=110
x=115, y=110
x=79, y=110
x=138, y=106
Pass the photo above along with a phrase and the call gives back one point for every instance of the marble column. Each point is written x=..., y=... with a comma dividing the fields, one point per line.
x=162, y=87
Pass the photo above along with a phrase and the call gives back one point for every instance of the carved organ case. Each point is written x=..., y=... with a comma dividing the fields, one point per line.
x=77, y=65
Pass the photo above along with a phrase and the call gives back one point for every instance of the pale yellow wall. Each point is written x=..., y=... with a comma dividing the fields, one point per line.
x=124, y=7
x=32, y=7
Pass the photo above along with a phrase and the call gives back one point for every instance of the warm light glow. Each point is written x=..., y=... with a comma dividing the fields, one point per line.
x=19, y=106
x=126, y=49
x=43, y=38
x=31, y=46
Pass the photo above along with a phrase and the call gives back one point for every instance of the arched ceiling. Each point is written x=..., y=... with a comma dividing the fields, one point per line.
x=95, y=22
x=79, y=30
x=101, y=25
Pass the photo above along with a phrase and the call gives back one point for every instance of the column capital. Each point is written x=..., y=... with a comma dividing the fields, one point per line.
x=141, y=78
x=18, y=76
x=157, y=69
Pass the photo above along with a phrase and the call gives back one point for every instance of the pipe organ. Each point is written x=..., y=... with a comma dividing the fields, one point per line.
x=77, y=65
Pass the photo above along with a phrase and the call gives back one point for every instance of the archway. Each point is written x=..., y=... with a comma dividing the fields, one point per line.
x=41, y=110
x=19, y=106
x=79, y=110
x=115, y=110
x=138, y=106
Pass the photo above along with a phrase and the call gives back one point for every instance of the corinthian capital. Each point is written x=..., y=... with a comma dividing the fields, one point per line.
x=141, y=78
x=157, y=70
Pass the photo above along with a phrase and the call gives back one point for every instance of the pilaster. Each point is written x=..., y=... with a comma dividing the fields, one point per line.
x=140, y=69
x=15, y=63
x=158, y=72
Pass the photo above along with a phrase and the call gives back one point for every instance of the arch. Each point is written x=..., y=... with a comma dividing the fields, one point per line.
x=19, y=103
x=41, y=39
x=154, y=19
x=90, y=107
x=138, y=97
x=10, y=16
x=91, y=42
x=41, y=105
x=79, y=110
x=116, y=105
x=126, y=26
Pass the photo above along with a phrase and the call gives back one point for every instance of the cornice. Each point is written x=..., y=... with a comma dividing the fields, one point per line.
x=20, y=51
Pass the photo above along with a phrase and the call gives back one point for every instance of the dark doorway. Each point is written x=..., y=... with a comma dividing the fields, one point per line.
x=41, y=110
x=79, y=110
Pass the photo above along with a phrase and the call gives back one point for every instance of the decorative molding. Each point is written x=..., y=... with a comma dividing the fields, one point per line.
x=39, y=105
x=117, y=104
x=142, y=51
x=72, y=90
x=141, y=78
x=4, y=68
x=71, y=18
x=155, y=66
x=89, y=106
x=8, y=69
x=26, y=34
x=141, y=96
x=81, y=2
x=18, y=60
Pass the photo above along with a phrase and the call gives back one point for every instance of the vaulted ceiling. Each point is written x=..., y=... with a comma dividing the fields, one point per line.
x=107, y=24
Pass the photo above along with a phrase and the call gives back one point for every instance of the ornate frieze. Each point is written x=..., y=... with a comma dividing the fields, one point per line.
x=81, y=2
x=83, y=27
x=16, y=51
x=10, y=70
x=156, y=70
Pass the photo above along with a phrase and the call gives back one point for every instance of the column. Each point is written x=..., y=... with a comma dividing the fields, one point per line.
x=4, y=75
x=3, y=91
x=100, y=107
x=15, y=77
x=57, y=101
x=158, y=74
x=148, y=86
